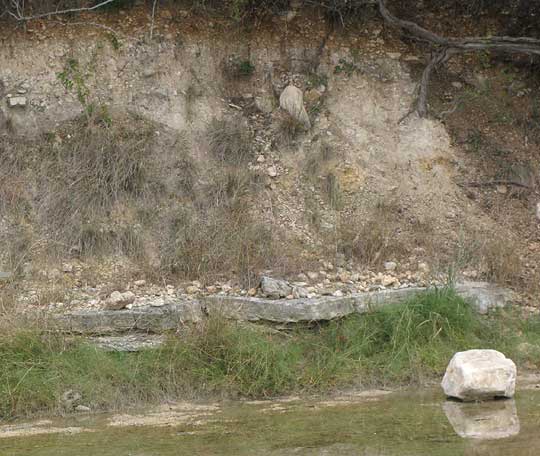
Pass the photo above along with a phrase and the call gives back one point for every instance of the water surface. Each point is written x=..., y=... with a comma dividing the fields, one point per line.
x=419, y=423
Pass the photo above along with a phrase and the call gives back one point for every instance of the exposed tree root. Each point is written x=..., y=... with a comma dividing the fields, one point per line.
x=445, y=48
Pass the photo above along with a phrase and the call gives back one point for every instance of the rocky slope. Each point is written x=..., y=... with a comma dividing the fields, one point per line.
x=350, y=198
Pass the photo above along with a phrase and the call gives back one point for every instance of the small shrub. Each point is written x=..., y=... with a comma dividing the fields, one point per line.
x=236, y=67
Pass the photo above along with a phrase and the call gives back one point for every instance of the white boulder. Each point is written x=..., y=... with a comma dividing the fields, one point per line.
x=292, y=101
x=479, y=374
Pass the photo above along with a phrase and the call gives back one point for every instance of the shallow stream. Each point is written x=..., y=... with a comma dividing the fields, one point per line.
x=367, y=424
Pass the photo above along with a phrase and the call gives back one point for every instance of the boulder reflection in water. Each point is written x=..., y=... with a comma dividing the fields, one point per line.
x=485, y=421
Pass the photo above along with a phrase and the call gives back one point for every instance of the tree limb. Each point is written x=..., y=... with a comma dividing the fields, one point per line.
x=445, y=48
x=19, y=14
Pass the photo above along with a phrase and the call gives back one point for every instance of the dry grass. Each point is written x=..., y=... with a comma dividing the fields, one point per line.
x=229, y=141
x=85, y=172
x=494, y=255
x=373, y=238
x=332, y=190
x=288, y=129
x=218, y=236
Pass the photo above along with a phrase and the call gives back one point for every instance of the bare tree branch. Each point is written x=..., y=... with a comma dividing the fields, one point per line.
x=18, y=6
x=445, y=48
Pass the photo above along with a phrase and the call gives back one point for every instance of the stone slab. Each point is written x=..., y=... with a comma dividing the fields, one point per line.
x=177, y=312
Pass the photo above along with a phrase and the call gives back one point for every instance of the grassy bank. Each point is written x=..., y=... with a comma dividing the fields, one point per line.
x=406, y=344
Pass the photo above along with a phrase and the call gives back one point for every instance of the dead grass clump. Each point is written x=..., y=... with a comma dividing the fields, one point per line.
x=373, y=238
x=289, y=129
x=501, y=260
x=218, y=235
x=316, y=160
x=207, y=245
x=229, y=141
x=95, y=239
x=493, y=255
x=229, y=188
x=332, y=190
x=89, y=171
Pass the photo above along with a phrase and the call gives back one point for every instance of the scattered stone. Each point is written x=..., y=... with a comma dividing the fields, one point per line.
x=390, y=265
x=344, y=277
x=337, y=293
x=479, y=375
x=139, y=283
x=272, y=171
x=300, y=292
x=312, y=275
x=275, y=288
x=14, y=102
x=265, y=103
x=118, y=301
x=192, y=289
x=149, y=72
x=423, y=267
x=312, y=96
x=261, y=159
x=67, y=268
x=5, y=275
x=388, y=280
x=82, y=408
x=292, y=101
x=457, y=84
x=70, y=399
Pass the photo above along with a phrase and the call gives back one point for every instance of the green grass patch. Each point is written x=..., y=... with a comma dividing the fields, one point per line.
x=403, y=344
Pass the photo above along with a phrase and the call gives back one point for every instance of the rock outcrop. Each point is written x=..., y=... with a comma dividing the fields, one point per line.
x=167, y=314
x=478, y=375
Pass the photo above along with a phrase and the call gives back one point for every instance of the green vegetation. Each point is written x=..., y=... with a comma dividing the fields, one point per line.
x=237, y=67
x=405, y=344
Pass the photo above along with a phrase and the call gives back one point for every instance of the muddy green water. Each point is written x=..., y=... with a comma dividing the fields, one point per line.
x=421, y=423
